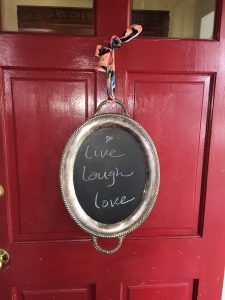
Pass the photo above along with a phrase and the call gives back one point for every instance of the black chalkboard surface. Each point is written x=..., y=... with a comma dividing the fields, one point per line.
x=109, y=174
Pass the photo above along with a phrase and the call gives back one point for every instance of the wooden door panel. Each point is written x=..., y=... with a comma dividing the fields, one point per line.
x=42, y=110
x=161, y=291
x=79, y=293
x=175, y=110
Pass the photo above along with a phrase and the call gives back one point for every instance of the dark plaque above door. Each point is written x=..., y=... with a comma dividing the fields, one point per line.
x=109, y=176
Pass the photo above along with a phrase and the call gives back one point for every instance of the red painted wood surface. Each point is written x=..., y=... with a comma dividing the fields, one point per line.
x=175, y=89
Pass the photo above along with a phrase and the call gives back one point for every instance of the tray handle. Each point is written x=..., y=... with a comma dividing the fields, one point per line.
x=117, y=101
x=111, y=251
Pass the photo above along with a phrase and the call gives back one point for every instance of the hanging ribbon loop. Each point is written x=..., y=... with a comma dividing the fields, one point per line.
x=107, y=57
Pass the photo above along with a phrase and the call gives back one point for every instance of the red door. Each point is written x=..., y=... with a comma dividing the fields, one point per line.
x=175, y=89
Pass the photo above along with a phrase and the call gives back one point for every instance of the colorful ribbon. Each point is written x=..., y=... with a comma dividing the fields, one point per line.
x=107, y=57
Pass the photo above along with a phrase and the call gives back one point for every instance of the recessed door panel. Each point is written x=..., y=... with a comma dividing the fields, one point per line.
x=175, y=110
x=43, y=110
x=161, y=291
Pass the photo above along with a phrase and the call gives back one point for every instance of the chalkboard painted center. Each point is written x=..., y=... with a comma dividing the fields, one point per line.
x=110, y=174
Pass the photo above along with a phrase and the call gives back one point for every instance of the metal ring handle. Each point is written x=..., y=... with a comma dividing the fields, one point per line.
x=113, y=101
x=97, y=247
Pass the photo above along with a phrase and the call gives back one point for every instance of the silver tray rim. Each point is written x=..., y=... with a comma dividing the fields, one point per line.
x=150, y=192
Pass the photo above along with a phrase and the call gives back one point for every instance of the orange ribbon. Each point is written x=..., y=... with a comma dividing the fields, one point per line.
x=107, y=57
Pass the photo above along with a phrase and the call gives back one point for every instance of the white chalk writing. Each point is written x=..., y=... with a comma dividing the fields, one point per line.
x=108, y=138
x=107, y=175
x=100, y=153
x=119, y=200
